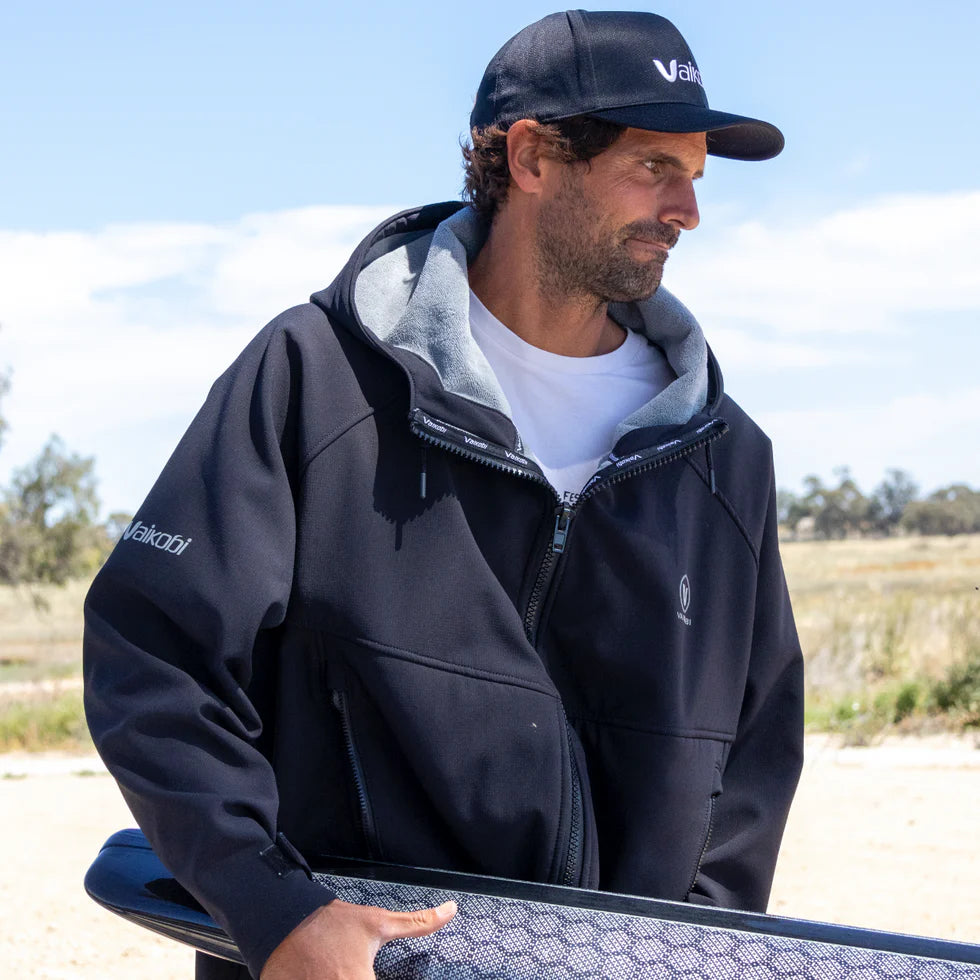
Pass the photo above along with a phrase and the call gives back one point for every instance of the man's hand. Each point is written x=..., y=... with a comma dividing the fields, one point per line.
x=340, y=940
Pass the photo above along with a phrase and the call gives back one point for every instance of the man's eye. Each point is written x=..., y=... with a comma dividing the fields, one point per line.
x=654, y=166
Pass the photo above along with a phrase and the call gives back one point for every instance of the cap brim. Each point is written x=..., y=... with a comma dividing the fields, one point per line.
x=729, y=135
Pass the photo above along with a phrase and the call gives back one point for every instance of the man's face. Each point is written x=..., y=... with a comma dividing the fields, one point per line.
x=605, y=226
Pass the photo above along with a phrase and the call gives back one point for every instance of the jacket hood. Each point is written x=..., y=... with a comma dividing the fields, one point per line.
x=405, y=291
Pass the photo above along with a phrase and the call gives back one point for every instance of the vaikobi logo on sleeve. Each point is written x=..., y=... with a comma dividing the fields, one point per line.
x=137, y=531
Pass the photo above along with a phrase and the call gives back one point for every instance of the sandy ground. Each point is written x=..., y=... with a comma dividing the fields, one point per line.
x=885, y=837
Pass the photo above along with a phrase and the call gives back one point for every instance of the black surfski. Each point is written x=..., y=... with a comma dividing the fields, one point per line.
x=515, y=930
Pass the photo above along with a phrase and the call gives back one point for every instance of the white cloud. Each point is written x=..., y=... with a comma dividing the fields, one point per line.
x=745, y=348
x=839, y=293
x=933, y=436
x=853, y=271
x=278, y=256
x=127, y=327
x=115, y=336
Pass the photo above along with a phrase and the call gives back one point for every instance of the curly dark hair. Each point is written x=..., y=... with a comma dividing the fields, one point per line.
x=487, y=175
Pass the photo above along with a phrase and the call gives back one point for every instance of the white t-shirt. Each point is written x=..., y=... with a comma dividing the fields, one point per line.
x=567, y=408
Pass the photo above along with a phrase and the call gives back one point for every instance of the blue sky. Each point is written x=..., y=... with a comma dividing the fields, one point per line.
x=174, y=174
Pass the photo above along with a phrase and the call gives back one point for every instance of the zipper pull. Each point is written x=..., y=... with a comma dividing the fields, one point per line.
x=561, y=529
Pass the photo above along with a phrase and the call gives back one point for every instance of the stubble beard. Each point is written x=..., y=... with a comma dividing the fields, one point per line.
x=578, y=255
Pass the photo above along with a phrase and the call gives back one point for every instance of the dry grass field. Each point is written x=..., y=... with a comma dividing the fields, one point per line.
x=888, y=621
x=40, y=669
x=40, y=641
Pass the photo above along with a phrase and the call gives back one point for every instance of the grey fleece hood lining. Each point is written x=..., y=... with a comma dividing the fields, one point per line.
x=416, y=297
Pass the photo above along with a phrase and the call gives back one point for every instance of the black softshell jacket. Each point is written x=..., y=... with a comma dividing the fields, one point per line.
x=352, y=618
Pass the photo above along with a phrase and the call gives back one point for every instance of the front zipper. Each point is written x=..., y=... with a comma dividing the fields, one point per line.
x=368, y=829
x=466, y=444
x=622, y=468
x=556, y=547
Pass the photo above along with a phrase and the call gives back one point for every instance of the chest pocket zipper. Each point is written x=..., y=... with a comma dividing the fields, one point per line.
x=704, y=846
x=573, y=859
x=369, y=829
x=709, y=826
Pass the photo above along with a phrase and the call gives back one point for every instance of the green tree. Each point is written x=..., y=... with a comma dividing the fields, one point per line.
x=48, y=529
x=836, y=511
x=951, y=510
x=890, y=499
x=47, y=519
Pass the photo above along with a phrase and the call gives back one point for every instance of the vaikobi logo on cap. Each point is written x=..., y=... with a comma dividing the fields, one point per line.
x=686, y=73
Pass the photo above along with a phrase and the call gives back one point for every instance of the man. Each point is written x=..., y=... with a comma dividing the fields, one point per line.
x=470, y=563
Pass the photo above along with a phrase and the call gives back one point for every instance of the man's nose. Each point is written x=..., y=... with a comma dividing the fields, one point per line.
x=680, y=206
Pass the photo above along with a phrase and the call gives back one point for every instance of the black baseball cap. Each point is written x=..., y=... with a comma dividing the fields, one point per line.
x=631, y=68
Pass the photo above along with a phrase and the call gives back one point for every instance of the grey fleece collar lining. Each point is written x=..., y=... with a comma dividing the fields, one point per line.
x=417, y=297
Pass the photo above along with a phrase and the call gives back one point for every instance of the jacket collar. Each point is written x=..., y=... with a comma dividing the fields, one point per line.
x=405, y=292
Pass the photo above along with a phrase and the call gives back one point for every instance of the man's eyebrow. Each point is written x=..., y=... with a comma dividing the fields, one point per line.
x=671, y=161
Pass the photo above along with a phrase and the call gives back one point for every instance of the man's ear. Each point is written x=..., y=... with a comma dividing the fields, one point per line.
x=524, y=155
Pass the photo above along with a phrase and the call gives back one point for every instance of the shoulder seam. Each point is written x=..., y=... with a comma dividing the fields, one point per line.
x=343, y=427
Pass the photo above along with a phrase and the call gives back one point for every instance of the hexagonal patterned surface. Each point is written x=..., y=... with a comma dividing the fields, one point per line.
x=506, y=939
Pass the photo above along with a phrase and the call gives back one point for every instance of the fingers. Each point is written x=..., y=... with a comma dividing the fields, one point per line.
x=340, y=940
x=424, y=922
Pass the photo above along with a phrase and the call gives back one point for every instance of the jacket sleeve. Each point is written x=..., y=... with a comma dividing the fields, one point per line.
x=200, y=579
x=764, y=762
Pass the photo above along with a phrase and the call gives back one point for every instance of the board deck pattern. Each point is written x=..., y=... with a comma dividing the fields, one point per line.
x=495, y=938
x=513, y=930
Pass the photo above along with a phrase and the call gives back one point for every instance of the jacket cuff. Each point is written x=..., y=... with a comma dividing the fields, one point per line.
x=260, y=895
